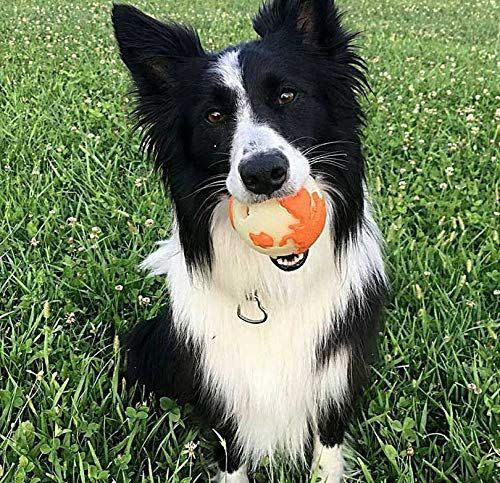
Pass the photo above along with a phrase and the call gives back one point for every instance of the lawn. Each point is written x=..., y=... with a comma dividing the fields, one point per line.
x=80, y=209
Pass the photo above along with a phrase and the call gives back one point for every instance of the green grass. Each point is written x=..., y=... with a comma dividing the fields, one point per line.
x=431, y=413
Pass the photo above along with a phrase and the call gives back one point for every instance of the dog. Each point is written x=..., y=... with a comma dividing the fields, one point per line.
x=254, y=121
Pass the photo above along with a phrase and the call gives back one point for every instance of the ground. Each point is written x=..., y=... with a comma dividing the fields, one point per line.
x=80, y=209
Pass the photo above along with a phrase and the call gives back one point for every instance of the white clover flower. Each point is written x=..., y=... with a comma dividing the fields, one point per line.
x=144, y=300
x=189, y=449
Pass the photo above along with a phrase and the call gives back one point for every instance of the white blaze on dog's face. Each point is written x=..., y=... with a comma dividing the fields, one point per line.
x=263, y=164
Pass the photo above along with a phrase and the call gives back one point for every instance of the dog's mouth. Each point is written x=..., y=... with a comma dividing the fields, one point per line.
x=289, y=263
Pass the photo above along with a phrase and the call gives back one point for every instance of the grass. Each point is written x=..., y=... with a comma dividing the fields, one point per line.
x=80, y=209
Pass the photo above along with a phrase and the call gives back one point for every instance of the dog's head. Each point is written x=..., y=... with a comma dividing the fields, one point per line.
x=254, y=120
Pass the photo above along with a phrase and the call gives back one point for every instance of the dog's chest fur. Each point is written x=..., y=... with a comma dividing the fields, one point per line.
x=267, y=377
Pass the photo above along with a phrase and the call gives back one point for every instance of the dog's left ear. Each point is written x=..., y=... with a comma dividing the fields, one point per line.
x=317, y=22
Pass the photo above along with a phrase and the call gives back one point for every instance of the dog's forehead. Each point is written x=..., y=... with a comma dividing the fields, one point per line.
x=241, y=68
x=252, y=70
x=229, y=72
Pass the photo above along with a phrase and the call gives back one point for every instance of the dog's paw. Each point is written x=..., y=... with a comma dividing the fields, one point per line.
x=329, y=464
x=239, y=476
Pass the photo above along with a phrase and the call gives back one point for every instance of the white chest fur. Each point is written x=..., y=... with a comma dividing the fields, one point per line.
x=265, y=376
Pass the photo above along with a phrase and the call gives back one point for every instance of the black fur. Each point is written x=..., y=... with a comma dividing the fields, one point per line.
x=162, y=362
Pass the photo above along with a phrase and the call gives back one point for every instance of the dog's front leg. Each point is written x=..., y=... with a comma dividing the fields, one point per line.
x=328, y=461
x=231, y=467
x=238, y=476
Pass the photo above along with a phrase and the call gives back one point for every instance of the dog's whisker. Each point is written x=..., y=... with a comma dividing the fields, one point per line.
x=198, y=216
x=218, y=180
x=328, y=158
x=215, y=184
x=332, y=162
x=317, y=146
x=220, y=161
x=299, y=139
x=331, y=159
x=328, y=154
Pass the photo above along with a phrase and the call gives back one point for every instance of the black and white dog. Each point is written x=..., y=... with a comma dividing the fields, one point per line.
x=285, y=107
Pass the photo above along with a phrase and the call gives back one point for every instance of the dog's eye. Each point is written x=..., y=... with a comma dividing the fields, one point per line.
x=215, y=117
x=286, y=96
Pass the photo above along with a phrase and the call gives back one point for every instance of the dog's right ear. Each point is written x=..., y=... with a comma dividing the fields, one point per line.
x=150, y=48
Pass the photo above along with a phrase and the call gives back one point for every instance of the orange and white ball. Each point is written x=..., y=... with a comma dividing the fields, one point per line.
x=281, y=227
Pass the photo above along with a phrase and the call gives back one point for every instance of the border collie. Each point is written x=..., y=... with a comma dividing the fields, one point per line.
x=286, y=100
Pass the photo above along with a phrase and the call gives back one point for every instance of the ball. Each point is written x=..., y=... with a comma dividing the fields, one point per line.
x=281, y=227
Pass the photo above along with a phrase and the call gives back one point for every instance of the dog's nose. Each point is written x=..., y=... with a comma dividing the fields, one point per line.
x=264, y=172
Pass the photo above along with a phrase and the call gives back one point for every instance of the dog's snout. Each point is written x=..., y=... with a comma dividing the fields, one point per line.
x=264, y=172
